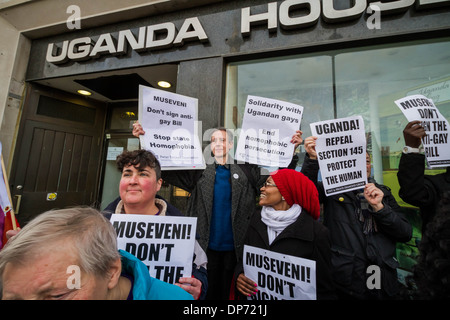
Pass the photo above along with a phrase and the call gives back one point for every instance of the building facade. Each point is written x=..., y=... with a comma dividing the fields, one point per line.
x=335, y=58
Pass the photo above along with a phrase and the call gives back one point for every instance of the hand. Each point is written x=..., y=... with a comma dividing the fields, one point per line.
x=246, y=286
x=137, y=129
x=297, y=139
x=310, y=147
x=374, y=196
x=191, y=285
x=12, y=233
x=413, y=133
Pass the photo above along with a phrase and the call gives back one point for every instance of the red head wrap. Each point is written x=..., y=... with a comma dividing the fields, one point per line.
x=295, y=187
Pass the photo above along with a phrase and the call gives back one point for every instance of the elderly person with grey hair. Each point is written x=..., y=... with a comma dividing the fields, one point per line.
x=72, y=254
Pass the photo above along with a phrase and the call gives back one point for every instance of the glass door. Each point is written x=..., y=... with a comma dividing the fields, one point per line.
x=115, y=145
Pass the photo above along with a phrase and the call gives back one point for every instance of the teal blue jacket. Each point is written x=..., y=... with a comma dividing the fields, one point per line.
x=146, y=287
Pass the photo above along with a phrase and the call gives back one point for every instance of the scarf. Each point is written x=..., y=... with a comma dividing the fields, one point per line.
x=277, y=220
x=363, y=214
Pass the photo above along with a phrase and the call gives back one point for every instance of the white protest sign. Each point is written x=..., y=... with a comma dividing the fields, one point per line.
x=341, y=152
x=436, y=144
x=171, y=128
x=267, y=129
x=280, y=276
x=164, y=244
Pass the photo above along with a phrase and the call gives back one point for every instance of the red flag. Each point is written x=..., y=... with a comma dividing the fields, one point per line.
x=8, y=217
x=8, y=225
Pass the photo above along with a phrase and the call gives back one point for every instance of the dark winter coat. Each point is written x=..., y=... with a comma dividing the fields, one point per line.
x=353, y=251
x=419, y=189
x=305, y=238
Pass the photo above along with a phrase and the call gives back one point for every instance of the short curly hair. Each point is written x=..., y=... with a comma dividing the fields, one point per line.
x=139, y=158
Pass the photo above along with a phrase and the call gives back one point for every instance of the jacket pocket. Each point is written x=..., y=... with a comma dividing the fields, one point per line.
x=342, y=261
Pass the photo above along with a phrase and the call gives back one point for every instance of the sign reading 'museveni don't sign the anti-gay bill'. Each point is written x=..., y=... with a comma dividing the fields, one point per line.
x=436, y=143
x=171, y=128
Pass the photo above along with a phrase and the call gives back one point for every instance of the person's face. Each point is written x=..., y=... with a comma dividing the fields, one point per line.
x=46, y=277
x=220, y=144
x=368, y=165
x=270, y=195
x=138, y=185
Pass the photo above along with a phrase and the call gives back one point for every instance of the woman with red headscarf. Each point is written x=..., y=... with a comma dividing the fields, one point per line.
x=288, y=224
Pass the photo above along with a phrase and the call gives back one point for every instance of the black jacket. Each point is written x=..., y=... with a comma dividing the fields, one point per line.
x=305, y=238
x=353, y=251
x=419, y=189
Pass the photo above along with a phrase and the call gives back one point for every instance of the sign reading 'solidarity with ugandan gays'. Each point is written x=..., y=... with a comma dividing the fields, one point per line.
x=341, y=152
x=436, y=143
x=165, y=244
x=267, y=129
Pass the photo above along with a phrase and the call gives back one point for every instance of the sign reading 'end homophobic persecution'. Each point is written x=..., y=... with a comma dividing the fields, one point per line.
x=171, y=128
x=341, y=152
x=436, y=143
x=267, y=129
x=164, y=244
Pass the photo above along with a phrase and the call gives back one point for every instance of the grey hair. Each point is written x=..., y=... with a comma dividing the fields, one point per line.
x=92, y=235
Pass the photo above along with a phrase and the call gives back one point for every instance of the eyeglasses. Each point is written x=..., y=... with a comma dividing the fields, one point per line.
x=267, y=184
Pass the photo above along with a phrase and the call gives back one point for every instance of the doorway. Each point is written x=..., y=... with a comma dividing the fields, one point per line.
x=58, y=155
x=119, y=138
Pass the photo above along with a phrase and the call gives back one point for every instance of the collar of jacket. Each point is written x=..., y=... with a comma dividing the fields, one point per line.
x=160, y=203
x=226, y=165
x=132, y=266
x=301, y=229
x=230, y=160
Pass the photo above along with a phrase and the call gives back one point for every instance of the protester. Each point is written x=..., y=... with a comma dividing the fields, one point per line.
x=364, y=227
x=431, y=274
x=417, y=188
x=141, y=180
x=71, y=254
x=223, y=198
x=288, y=223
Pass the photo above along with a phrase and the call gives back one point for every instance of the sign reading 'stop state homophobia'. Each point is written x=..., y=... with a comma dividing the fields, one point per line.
x=341, y=152
x=267, y=129
x=436, y=143
x=171, y=132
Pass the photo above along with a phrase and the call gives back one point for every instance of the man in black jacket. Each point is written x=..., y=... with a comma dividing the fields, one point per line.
x=417, y=188
x=364, y=230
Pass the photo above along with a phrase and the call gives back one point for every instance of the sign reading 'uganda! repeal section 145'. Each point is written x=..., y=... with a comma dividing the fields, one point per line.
x=436, y=144
x=341, y=152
